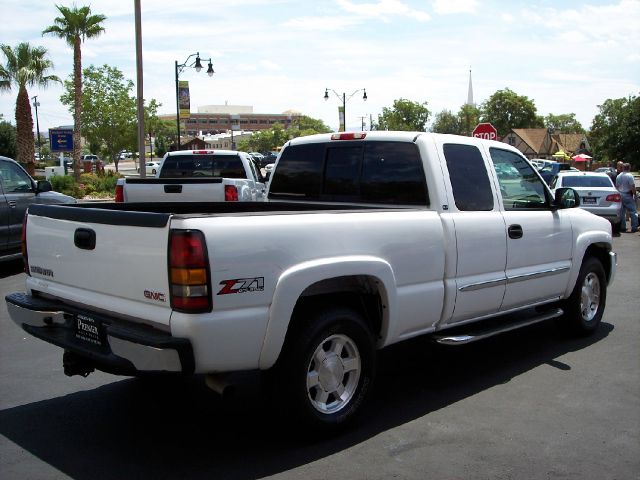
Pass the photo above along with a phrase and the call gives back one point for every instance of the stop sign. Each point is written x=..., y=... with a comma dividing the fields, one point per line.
x=486, y=131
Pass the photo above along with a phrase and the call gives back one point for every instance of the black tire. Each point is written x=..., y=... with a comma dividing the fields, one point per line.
x=584, y=308
x=326, y=369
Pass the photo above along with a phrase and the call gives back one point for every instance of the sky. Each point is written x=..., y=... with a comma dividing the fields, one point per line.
x=279, y=55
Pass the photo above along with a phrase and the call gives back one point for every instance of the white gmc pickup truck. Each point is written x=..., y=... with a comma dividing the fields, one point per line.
x=196, y=176
x=367, y=239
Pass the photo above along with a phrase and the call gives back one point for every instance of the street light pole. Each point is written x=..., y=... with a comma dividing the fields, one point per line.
x=36, y=104
x=179, y=67
x=344, y=100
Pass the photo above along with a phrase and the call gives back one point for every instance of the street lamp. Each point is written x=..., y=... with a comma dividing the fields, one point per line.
x=179, y=69
x=344, y=99
x=36, y=104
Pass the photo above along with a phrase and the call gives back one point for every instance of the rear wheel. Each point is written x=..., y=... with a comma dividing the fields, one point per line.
x=584, y=308
x=326, y=369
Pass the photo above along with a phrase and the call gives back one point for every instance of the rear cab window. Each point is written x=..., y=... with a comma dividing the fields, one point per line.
x=226, y=166
x=469, y=178
x=378, y=172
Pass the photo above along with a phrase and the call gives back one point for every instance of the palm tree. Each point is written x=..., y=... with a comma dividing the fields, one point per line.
x=74, y=26
x=25, y=67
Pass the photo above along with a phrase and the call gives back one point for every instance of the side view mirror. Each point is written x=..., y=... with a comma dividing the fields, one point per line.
x=566, y=198
x=43, y=186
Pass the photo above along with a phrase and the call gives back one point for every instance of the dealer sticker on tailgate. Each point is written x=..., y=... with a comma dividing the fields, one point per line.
x=88, y=330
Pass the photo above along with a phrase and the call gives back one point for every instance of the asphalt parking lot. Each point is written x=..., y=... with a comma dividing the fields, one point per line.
x=530, y=404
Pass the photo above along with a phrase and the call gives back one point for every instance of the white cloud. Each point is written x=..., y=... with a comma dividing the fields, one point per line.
x=269, y=65
x=446, y=7
x=507, y=18
x=319, y=23
x=383, y=10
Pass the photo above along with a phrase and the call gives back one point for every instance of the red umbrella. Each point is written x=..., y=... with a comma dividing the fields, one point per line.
x=581, y=158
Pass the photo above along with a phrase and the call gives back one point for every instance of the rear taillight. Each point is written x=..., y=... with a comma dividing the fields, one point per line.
x=25, y=256
x=230, y=193
x=189, y=272
x=614, y=197
x=119, y=194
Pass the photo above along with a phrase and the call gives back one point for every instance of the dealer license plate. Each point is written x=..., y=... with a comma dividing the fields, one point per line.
x=589, y=200
x=88, y=330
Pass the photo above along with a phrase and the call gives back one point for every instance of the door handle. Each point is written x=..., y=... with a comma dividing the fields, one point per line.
x=515, y=231
x=173, y=189
x=84, y=238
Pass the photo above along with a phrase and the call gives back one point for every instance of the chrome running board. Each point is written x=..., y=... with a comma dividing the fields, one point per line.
x=495, y=326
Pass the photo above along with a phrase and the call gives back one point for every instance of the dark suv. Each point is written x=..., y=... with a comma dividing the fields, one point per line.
x=17, y=191
x=549, y=172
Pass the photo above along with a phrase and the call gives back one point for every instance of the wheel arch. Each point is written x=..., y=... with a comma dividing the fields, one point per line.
x=364, y=283
x=600, y=250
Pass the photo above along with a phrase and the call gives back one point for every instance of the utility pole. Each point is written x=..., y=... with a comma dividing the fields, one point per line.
x=36, y=104
x=362, y=122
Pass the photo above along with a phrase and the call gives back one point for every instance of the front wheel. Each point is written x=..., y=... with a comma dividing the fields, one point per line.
x=326, y=369
x=585, y=306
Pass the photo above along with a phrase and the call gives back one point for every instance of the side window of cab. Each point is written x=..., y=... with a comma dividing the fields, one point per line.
x=520, y=187
x=14, y=179
x=469, y=178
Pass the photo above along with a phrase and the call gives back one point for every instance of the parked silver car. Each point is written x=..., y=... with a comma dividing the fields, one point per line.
x=597, y=193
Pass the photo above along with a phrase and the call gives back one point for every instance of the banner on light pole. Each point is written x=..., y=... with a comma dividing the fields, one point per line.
x=342, y=120
x=183, y=99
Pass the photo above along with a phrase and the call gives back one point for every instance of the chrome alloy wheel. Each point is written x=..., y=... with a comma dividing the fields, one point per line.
x=590, y=296
x=333, y=374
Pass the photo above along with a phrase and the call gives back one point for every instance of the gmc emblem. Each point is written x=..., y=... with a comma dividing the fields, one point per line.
x=155, y=296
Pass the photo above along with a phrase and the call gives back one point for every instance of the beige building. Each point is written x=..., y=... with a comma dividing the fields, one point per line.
x=540, y=143
x=216, y=119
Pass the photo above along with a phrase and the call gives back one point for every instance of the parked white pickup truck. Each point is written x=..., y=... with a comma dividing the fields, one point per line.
x=197, y=176
x=367, y=239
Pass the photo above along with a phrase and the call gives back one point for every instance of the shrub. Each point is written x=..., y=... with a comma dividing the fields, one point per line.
x=67, y=185
x=101, y=186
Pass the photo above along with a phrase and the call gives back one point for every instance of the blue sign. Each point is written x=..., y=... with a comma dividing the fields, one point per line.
x=61, y=140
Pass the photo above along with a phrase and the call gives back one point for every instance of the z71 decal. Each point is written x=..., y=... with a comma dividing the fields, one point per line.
x=242, y=285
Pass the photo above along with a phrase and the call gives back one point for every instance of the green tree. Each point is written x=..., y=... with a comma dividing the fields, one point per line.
x=446, y=122
x=7, y=139
x=615, y=131
x=164, y=135
x=565, y=123
x=151, y=122
x=505, y=110
x=266, y=140
x=468, y=118
x=108, y=109
x=276, y=136
x=74, y=26
x=304, y=125
x=25, y=66
x=405, y=115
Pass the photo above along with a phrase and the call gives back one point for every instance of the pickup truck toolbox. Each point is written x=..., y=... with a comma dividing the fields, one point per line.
x=365, y=240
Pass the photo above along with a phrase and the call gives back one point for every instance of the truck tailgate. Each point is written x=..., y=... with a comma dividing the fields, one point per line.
x=115, y=261
x=174, y=190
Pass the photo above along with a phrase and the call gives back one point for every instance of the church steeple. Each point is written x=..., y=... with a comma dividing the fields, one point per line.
x=470, y=94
